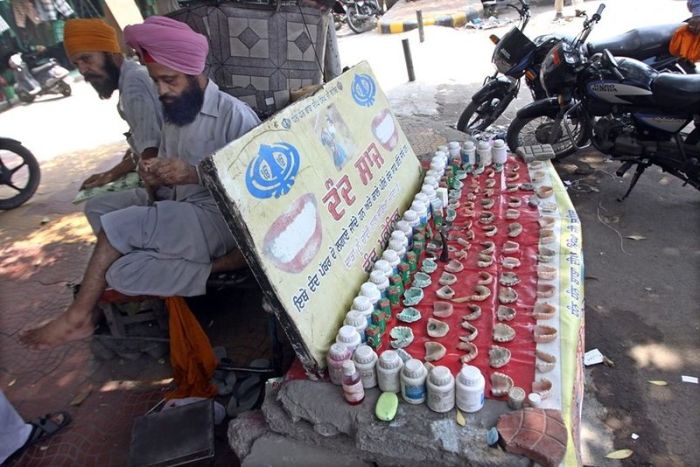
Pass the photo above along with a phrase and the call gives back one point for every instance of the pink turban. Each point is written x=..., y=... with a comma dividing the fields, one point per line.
x=170, y=43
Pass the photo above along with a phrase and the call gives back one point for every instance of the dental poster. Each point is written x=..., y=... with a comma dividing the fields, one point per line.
x=311, y=195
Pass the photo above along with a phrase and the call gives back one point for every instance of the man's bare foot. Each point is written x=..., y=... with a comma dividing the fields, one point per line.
x=60, y=330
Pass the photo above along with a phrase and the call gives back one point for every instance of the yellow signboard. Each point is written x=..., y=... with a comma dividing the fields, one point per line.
x=311, y=195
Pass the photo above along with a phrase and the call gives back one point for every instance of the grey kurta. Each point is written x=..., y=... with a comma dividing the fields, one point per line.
x=168, y=248
x=139, y=107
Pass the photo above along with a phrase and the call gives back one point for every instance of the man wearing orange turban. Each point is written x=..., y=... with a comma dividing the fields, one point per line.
x=170, y=247
x=92, y=46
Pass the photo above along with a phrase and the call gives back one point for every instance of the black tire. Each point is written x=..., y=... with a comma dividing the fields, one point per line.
x=359, y=26
x=64, y=88
x=26, y=97
x=562, y=147
x=478, y=115
x=6, y=174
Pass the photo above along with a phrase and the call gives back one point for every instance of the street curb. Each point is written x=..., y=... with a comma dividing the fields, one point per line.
x=453, y=20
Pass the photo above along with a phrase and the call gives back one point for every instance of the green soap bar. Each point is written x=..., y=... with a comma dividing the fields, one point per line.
x=386, y=407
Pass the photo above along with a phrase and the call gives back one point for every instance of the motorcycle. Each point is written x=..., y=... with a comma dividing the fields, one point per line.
x=36, y=79
x=360, y=15
x=516, y=56
x=19, y=174
x=627, y=109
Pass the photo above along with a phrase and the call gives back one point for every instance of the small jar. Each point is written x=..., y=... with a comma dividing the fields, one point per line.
x=388, y=371
x=365, y=361
x=349, y=337
x=412, y=218
x=384, y=266
x=413, y=378
x=379, y=279
x=431, y=180
x=399, y=235
x=441, y=155
x=337, y=354
x=433, y=174
x=393, y=258
x=469, y=153
x=499, y=153
x=364, y=306
x=428, y=191
x=483, y=149
x=357, y=320
x=441, y=389
x=405, y=227
x=353, y=391
x=399, y=247
x=371, y=291
x=421, y=210
x=470, y=389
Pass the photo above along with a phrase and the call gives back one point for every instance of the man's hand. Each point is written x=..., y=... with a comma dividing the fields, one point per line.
x=173, y=171
x=147, y=172
x=96, y=180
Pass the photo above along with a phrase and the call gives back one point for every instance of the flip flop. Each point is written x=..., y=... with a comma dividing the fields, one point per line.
x=43, y=428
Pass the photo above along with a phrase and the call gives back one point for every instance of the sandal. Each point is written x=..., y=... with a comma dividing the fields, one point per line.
x=42, y=429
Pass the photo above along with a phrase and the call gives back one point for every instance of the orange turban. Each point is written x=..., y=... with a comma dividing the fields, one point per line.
x=89, y=35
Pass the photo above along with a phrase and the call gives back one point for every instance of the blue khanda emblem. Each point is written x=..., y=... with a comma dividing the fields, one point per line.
x=363, y=90
x=272, y=173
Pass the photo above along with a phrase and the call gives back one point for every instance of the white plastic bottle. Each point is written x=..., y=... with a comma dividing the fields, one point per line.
x=399, y=235
x=411, y=217
x=399, y=247
x=384, y=266
x=484, y=151
x=364, y=306
x=337, y=354
x=389, y=371
x=469, y=153
x=470, y=389
x=393, y=258
x=499, y=152
x=357, y=320
x=349, y=337
x=405, y=227
x=365, y=361
x=379, y=279
x=371, y=291
x=413, y=378
x=441, y=389
x=421, y=209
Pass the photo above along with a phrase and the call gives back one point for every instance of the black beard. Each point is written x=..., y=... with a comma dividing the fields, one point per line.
x=184, y=108
x=106, y=87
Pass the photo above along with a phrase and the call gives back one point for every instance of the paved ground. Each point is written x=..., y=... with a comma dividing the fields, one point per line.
x=642, y=296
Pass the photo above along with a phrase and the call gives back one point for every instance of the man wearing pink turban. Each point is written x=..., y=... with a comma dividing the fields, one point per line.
x=168, y=247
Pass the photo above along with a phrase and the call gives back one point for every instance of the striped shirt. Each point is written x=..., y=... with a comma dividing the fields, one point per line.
x=139, y=107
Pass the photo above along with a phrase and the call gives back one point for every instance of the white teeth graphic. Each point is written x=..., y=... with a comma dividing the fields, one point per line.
x=385, y=130
x=288, y=243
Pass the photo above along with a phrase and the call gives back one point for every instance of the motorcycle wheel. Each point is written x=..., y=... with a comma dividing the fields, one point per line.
x=537, y=129
x=64, y=88
x=478, y=115
x=26, y=97
x=17, y=185
x=358, y=26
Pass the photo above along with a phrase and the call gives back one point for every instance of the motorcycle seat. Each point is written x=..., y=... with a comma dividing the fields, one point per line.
x=676, y=90
x=42, y=68
x=640, y=43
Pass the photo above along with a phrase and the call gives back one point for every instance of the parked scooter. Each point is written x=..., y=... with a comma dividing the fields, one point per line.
x=626, y=108
x=516, y=56
x=36, y=79
x=19, y=174
x=360, y=15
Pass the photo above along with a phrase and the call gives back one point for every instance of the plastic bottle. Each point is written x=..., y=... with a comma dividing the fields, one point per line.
x=431, y=180
x=384, y=266
x=379, y=279
x=399, y=235
x=484, y=151
x=388, y=371
x=469, y=153
x=364, y=306
x=433, y=174
x=393, y=258
x=349, y=337
x=405, y=227
x=413, y=378
x=441, y=389
x=421, y=209
x=399, y=247
x=499, y=153
x=438, y=166
x=357, y=320
x=365, y=361
x=470, y=389
x=353, y=391
x=371, y=291
x=429, y=191
x=411, y=217
x=337, y=354
x=441, y=155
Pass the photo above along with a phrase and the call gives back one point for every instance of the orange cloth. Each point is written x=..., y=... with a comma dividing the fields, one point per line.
x=89, y=35
x=685, y=44
x=191, y=355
